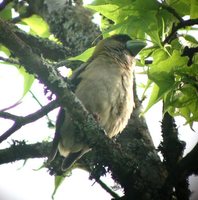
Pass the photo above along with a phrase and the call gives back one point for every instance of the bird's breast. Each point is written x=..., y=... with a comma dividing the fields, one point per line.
x=106, y=90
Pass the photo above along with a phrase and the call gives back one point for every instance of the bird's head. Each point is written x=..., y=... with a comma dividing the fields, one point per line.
x=120, y=48
x=120, y=42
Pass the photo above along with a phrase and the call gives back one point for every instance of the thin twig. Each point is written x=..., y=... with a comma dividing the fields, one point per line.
x=40, y=104
x=9, y=60
x=62, y=63
x=107, y=189
x=36, y=99
x=21, y=121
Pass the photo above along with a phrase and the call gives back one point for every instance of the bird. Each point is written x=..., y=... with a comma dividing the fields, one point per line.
x=104, y=85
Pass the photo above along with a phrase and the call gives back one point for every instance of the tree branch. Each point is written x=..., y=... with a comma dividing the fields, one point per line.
x=172, y=150
x=9, y=60
x=188, y=165
x=50, y=123
x=180, y=25
x=190, y=53
x=22, y=151
x=21, y=121
x=4, y=3
x=171, y=147
x=107, y=189
x=185, y=167
x=127, y=169
x=72, y=25
x=43, y=46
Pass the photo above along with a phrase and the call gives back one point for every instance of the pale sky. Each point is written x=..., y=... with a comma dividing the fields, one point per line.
x=24, y=183
x=20, y=182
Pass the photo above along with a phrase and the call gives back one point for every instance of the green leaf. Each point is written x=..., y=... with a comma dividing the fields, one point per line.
x=156, y=95
x=28, y=81
x=163, y=74
x=5, y=50
x=184, y=97
x=6, y=13
x=148, y=5
x=159, y=55
x=57, y=182
x=59, y=179
x=191, y=39
x=37, y=25
x=194, y=9
x=182, y=7
x=117, y=2
x=164, y=71
x=146, y=87
x=111, y=11
x=183, y=102
x=84, y=56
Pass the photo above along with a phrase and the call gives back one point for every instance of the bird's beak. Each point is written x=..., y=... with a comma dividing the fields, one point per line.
x=135, y=46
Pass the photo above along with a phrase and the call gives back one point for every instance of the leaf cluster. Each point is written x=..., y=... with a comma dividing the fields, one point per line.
x=171, y=74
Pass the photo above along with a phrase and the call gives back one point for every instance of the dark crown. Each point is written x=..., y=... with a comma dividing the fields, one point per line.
x=121, y=38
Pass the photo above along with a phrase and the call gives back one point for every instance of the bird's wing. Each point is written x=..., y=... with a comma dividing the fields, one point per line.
x=73, y=157
x=75, y=78
x=59, y=122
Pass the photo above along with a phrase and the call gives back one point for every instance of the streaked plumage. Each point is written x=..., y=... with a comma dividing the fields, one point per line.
x=105, y=86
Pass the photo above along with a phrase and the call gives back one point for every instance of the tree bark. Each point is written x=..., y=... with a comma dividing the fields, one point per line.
x=131, y=158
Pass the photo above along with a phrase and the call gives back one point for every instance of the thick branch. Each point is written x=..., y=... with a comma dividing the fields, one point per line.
x=43, y=46
x=22, y=151
x=118, y=159
x=188, y=165
x=72, y=25
x=172, y=150
x=171, y=147
x=185, y=167
x=21, y=121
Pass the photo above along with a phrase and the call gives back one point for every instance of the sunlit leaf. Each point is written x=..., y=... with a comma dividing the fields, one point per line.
x=6, y=13
x=164, y=70
x=111, y=11
x=182, y=7
x=4, y=50
x=156, y=95
x=84, y=56
x=57, y=182
x=38, y=25
x=28, y=80
x=194, y=9
x=191, y=39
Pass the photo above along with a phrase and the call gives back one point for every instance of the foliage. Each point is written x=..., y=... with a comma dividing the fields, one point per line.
x=173, y=78
x=35, y=25
x=170, y=58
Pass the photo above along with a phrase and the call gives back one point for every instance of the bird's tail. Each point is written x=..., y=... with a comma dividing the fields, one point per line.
x=72, y=158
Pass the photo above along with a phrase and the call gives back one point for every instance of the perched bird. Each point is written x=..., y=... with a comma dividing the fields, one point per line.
x=105, y=87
